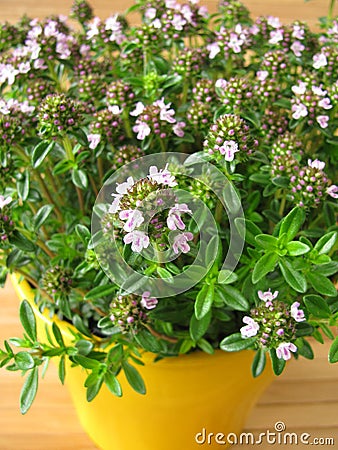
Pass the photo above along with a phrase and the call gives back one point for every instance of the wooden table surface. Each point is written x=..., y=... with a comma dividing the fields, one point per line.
x=305, y=398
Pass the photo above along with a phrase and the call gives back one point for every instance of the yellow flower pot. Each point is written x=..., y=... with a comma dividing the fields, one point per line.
x=192, y=401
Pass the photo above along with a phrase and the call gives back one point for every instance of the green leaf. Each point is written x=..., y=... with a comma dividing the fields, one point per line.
x=304, y=348
x=226, y=276
x=164, y=273
x=27, y=319
x=147, y=341
x=235, y=343
x=134, y=378
x=326, y=243
x=234, y=298
x=204, y=301
x=327, y=269
x=81, y=136
x=83, y=233
x=197, y=328
x=321, y=284
x=317, y=306
x=63, y=166
x=278, y=365
x=62, y=369
x=79, y=178
x=58, y=335
x=20, y=241
x=100, y=291
x=266, y=241
x=42, y=215
x=264, y=265
x=258, y=363
x=292, y=223
x=294, y=278
x=333, y=353
x=40, y=152
x=296, y=248
x=29, y=390
x=113, y=384
x=94, y=388
x=84, y=347
x=87, y=363
x=23, y=186
x=24, y=361
x=204, y=345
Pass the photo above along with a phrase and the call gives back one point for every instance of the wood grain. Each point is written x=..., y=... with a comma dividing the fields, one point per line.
x=305, y=398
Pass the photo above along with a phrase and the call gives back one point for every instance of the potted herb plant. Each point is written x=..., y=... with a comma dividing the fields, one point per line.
x=167, y=210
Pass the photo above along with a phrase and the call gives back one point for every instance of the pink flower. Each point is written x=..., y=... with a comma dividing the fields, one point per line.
x=138, y=240
x=276, y=36
x=316, y=164
x=138, y=109
x=142, y=129
x=162, y=176
x=299, y=110
x=325, y=103
x=323, y=121
x=249, y=330
x=332, y=191
x=297, y=314
x=178, y=22
x=284, y=349
x=178, y=129
x=300, y=89
x=298, y=32
x=4, y=201
x=181, y=242
x=134, y=219
x=94, y=140
x=297, y=48
x=147, y=301
x=174, y=220
x=319, y=61
x=235, y=43
x=214, y=49
x=228, y=149
x=267, y=296
x=262, y=75
x=150, y=13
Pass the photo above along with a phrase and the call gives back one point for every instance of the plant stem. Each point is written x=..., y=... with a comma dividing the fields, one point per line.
x=67, y=145
x=160, y=335
x=219, y=211
x=93, y=184
x=330, y=12
x=34, y=283
x=282, y=205
x=48, y=195
x=80, y=199
x=126, y=123
x=100, y=168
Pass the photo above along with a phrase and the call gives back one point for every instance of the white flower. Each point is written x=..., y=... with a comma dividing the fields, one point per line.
x=26, y=108
x=115, y=109
x=262, y=75
x=297, y=314
x=178, y=22
x=4, y=107
x=298, y=32
x=147, y=301
x=214, y=49
x=318, y=91
x=94, y=140
x=228, y=149
x=4, y=201
x=325, y=103
x=276, y=36
x=157, y=24
x=134, y=219
x=300, y=89
x=51, y=29
x=181, y=242
x=323, y=121
x=8, y=72
x=150, y=13
x=319, y=60
x=267, y=296
x=93, y=28
x=274, y=22
x=284, y=349
x=174, y=220
x=235, y=43
x=221, y=83
x=138, y=240
x=332, y=191
x=122, y=188
x=299, y=110
x=249, y=330
x=316, y=164
x=138, y=109
x=297, y=48
x=162, y=176
x=24, y=67
x=142, y=129
x=115, y=206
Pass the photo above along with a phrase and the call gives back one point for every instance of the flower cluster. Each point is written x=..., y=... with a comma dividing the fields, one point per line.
x=273, y=323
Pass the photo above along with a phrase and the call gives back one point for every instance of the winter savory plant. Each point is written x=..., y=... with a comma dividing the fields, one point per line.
x=168, y=187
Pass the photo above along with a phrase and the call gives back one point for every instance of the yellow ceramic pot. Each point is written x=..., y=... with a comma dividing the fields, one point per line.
x=192, y=401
